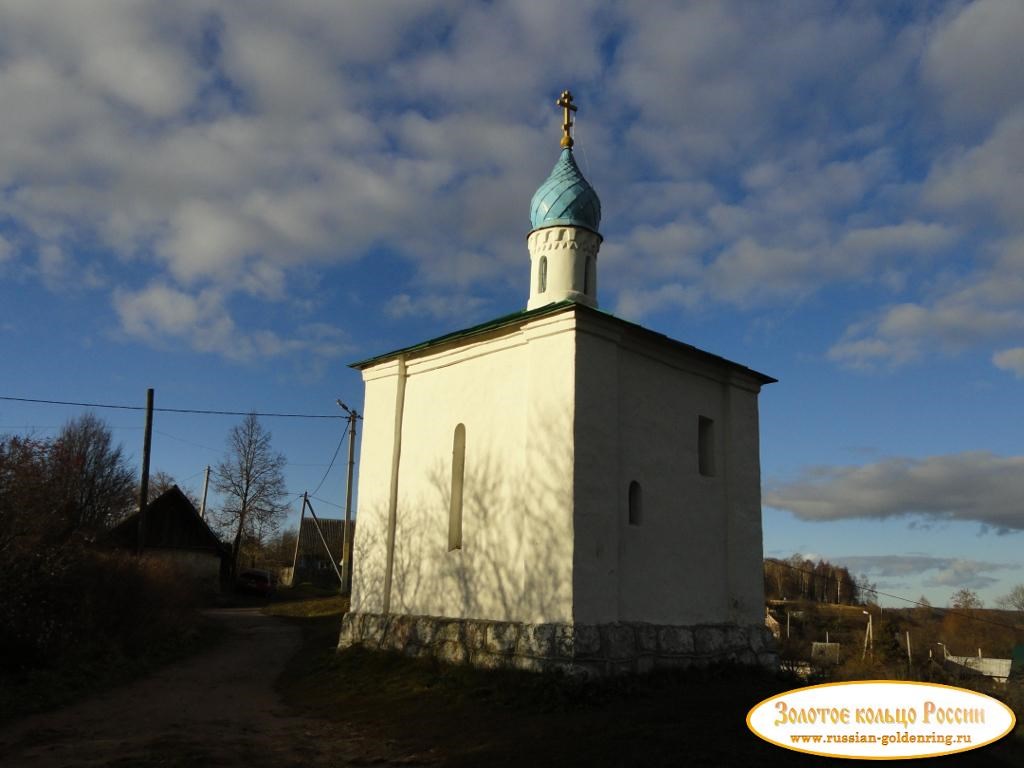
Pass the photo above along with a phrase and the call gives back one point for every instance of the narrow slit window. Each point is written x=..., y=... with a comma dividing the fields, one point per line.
x=588, y=276
x=542, y=275
x=458, y=472
x=635, y=504
x=706, y=446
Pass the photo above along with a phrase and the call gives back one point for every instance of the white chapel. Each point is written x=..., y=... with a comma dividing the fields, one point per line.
x=559, y=487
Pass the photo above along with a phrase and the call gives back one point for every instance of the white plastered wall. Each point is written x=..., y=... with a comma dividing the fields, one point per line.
x=512, y=391
x=696, y=555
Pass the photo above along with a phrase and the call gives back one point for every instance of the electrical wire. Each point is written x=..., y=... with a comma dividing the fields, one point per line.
x=174, y=410
x=188, y=442
x=331, y=465
x=325, y=501
x=197, y=474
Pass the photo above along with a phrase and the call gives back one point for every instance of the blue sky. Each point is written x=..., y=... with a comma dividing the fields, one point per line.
x=229, y=202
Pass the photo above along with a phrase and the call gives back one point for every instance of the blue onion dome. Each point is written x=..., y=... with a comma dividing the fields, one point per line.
x=566, y=198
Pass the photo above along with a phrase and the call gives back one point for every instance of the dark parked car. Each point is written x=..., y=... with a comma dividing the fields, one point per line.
x=256, y=582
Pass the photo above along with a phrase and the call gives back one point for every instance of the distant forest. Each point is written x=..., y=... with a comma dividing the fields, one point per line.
x=798, y=579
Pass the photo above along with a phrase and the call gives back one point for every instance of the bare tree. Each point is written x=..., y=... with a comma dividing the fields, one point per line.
x=92, y=486
x=252, y=478
x=1013, y=601
x=23, y=489
x=281, y=547
x=160, y=482
x=867, y=590
x=966, y=599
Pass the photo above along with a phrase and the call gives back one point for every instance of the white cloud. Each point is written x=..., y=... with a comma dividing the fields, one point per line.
x=712, y=81
x=1010, y=360
x=944, y=571
x=160, y=314
x=907, y=236
x=983, y=307
x=53, y=264
x=870, y=353
x=893, y=565
x=903, y=332
x=748, y=271
x=966, y=573
x=972, y=59
x=159, y=309
x=436, y=306
x=636, y=304
x=744, y=155
x=939, y=571
x=507, y=48
x=206, y=239
x=984, y=180
x=974, y=486
x=134, y=54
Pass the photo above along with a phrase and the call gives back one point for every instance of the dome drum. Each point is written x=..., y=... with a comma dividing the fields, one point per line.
x=563, y=265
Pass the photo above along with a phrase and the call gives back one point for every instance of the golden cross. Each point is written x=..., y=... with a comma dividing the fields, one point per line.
x=565, y=102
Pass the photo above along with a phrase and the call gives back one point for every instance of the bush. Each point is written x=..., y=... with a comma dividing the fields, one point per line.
x=72, y=604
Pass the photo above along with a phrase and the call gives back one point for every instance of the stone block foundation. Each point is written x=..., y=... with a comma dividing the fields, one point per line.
x=591, y=650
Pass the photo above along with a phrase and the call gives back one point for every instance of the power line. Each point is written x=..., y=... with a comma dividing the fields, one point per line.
x=188, y=442
x=219, y=450
x=50, y=429
x=172, y=410
x=331, y=465
x=325, y=501
x=197, y=474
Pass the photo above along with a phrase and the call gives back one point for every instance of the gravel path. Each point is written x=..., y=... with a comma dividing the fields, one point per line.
x=215, y=709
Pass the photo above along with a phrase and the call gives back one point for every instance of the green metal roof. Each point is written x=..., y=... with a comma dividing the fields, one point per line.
x=550, y=309
x=497, y=322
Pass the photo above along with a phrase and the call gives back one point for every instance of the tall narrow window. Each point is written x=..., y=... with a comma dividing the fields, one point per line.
x=706, y=446
x=458, y=472
x=542, y=275
x=635, y=504
x=588, y=276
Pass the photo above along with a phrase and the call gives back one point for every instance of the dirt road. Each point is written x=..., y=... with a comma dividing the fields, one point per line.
x=216, y=709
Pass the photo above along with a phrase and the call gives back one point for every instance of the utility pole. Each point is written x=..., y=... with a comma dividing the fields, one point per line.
x=298, y=536
x=307, y=503
x=206, y=487
x=144, y=480
x=869, y=639
x=346, y=549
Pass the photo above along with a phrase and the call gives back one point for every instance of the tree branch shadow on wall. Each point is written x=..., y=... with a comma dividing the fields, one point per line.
x=515, y=563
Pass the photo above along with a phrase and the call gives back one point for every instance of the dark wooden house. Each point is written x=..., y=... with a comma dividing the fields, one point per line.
x=312, y=562
x=175, y=533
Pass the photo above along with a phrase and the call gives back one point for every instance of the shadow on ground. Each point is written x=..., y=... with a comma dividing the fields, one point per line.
x=460, y=716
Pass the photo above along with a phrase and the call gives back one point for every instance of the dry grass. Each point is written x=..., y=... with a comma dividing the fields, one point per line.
x=309, y=608
x=444, y=715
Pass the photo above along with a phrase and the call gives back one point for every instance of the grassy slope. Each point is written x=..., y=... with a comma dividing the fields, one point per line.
x=461, y=716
